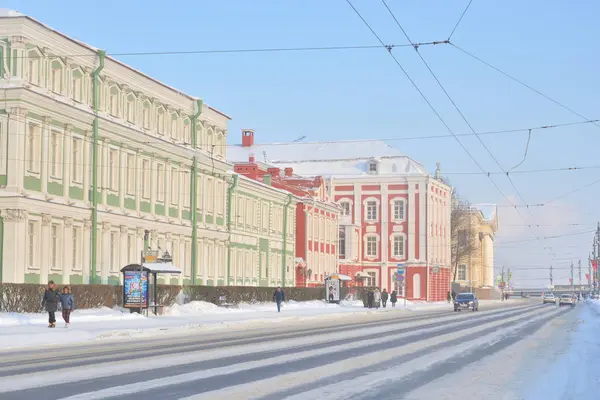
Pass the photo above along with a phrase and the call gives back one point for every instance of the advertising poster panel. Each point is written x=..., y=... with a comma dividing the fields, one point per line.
x=135, y=289
x=332, y=290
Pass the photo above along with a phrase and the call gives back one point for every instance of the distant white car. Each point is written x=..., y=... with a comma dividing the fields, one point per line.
x=567, y=299
x=548, y=298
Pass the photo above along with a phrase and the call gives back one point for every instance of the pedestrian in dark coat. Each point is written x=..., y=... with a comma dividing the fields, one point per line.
x=394, y=298
x=50, y=303
x=67, y=304
x=370, y=298
x=384, y=297
x=278, y=297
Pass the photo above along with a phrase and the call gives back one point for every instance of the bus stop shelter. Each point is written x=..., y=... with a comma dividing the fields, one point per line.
x=136, y=285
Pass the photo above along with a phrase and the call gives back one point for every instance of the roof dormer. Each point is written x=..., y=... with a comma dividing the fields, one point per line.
x=373, y=167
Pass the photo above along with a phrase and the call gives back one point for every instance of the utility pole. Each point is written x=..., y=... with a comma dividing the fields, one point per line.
x=590, y=277
x=572, y=288
x=469, y=247
x=551, y=281
x=503, y=285
x=579, y=270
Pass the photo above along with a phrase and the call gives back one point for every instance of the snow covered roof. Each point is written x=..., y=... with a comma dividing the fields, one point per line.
x=7, y=12
x=167, y=268
x=348, y=158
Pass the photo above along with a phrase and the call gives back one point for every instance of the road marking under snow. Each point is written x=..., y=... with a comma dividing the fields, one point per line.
x=258, y=388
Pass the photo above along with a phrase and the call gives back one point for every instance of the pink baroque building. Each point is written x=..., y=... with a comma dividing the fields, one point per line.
x=394, y=213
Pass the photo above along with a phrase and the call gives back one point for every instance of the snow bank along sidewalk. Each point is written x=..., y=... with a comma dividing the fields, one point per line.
x=21, y=330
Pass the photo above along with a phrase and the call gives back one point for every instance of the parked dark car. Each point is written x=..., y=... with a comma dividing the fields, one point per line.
x=465, y=301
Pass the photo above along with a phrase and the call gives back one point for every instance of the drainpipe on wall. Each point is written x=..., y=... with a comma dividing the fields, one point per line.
x=194, y=188
x=284, y=257
x=230, y=191
x=95, y=136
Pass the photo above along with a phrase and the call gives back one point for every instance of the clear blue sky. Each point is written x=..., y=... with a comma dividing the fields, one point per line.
x=353, y=94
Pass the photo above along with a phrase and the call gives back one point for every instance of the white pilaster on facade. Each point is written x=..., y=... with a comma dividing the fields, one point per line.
x=385, y=234
x=104, y=168
x=412, y=212
x=67, y=167
x=424, y=213
x=45, y=233
x=105, y=252
x=124, y=246
x=15, y=239
x=434, y=235
x=153, y=184
x=167, y=187
x=139, y=189
x=67, y=249
x=85, y=256
x=15, y=165
x=122, y=177
x=86, y=167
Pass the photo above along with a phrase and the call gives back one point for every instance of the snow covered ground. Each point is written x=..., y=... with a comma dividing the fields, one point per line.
x=19, y=330
x=560, y=361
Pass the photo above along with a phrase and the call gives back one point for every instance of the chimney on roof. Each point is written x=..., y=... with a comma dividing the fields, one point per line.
x=289, y=171
x=247, y=137
x=274, y=171
x=251, y=159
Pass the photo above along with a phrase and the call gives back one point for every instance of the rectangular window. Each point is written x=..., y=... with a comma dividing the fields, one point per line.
x=31, y=244
x=113, y=174
x=160, y=122
x=174, y=128
x=160, y=182
x=76, y=161
x=130, y=111
x=56, y=149
x=398, y=210
x=186, y=134
x=210, y=198
x=371, y=246
x=371, y=210
x=114, y=102
x=146, y=183
x=398, y=246
x=77, y=83
x=371, y=279
x=130, y=174
x=462, y=272
x=185, y=177
x=33, y=148
x=174, y=186
x=146, y=117
x=54, y=246
x=76, y=250
x=342, y=244
x=56, y=80
x=345, y=208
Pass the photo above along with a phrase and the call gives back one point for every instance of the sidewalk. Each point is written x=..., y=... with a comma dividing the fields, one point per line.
x=24, y=330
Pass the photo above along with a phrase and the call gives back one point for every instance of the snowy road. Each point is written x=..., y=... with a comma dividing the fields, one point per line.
x=370, y=356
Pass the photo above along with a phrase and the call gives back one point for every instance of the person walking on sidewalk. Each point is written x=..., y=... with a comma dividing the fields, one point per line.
x=278, y=297
x=376, y=297
x=384, y=297
x=394, y=298
x=50, y=303
x=67, y=303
